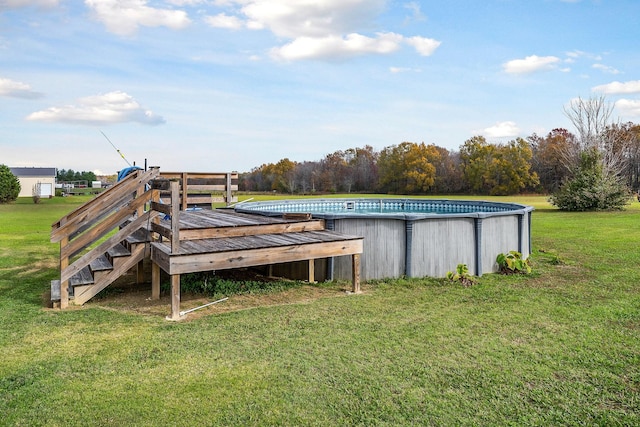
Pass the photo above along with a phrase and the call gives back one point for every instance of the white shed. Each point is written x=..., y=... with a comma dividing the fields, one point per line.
x=42, y=180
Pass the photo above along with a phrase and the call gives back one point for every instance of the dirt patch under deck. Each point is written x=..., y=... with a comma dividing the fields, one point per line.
x=137, y=298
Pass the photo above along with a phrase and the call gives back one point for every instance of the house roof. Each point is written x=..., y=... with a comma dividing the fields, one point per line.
x=33, y=172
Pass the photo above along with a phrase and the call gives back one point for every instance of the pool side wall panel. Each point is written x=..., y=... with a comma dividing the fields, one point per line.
x=439, y=245
x=499, y=235
x=384, y=247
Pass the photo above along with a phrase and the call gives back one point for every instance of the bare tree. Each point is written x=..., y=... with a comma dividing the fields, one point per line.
x=592, y=120
x=596, y=162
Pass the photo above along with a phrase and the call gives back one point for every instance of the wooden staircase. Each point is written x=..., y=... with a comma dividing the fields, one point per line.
x=106, y=268
x=108, y=236
x=103, y=239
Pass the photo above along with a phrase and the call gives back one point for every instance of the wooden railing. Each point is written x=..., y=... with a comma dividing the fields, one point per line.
x=203, y=188
x=79, y=231
x=171, y=210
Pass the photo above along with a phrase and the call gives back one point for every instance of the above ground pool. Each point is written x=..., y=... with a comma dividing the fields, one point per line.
x=415, y=237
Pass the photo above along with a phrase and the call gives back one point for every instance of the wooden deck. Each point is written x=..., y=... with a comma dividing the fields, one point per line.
x=224, y=239
x=110, y=235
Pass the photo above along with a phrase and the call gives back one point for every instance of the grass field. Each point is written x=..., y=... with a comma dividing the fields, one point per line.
x=558, y=347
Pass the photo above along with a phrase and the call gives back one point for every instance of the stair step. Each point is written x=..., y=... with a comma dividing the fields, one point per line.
x=101, y=263
x=55, y=290
x=118, y=251
x=139, y=236
x=82, y=277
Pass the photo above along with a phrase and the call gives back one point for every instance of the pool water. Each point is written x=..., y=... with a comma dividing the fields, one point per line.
x=379, y=206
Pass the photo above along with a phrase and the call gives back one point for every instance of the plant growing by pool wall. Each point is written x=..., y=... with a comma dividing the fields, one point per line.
x=513, y=263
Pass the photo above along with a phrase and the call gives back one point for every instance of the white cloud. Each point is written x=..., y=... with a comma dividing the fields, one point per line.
x=337, y=47
x=605, y=68
x=15, y=4
x=112, y=107
x=309, y=18
x=396, y=70
x=183, y=3
x=16, y=89
x=328, y=30
x=424, y=46
x=530, y=64
x=628, y=107
x=615, y=88
x=222, y=20
x=576, y=54
x=502, y=130
x=123, y=17
x=416, y=13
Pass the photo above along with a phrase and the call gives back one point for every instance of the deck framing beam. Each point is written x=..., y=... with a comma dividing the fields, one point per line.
x=177, y=264
x=191, y=263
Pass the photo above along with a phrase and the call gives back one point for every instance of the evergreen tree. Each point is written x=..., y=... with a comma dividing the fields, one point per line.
x=591, y=188
x=9, y=185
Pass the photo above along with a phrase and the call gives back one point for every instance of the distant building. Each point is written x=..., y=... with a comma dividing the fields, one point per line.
x=41, y=180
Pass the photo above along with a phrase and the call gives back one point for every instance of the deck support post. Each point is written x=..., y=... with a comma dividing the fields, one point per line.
x=140, y=272
x=155, y=281
x=175, y=297
x=356, y=273
x=175, y=216
x=312, y=271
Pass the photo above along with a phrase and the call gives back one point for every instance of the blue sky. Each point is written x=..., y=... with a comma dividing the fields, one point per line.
x=220, y=85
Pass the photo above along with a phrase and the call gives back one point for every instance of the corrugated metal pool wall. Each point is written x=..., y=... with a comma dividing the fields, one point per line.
x=415, y=244
x=432, y=246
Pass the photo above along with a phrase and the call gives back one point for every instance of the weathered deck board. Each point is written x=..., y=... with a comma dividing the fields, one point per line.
x=241, y=243
x=220, y=218
x=205, y=224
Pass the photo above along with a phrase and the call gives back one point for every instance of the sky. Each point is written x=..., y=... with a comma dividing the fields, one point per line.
x=229, y=85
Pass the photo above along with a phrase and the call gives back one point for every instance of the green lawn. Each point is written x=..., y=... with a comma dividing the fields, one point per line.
x=559, y=347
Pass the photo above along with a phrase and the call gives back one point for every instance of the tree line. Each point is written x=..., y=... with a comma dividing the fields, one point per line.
x=534, y=164
x=69, y=175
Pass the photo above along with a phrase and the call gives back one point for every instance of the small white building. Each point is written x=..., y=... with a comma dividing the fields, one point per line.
x=42, y=180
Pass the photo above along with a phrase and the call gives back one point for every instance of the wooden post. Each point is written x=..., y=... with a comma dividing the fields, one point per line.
x=185, y=190
x=312, y=271
x=155, y=268
x=139, y=192
x=175, y=216
x=228, y=196
x=139, y=212
x=64, y=285
x=140, y=271
x=356, y=273
x=175, y=297
x=155, y=281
